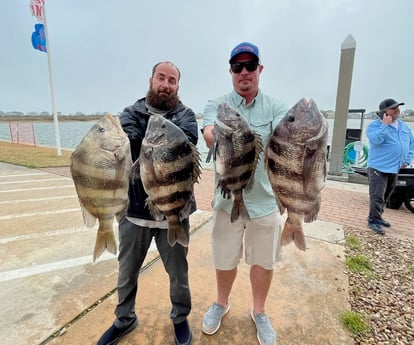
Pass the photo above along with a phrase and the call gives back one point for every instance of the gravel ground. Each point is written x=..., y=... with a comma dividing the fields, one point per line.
x=386, y=296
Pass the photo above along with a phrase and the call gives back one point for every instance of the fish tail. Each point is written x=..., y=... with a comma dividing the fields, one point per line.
x=104, y=240
x=239, y=210
x=176, y=234
x=293, y=232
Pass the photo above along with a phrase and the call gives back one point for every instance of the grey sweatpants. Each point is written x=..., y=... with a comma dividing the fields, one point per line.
x=134, y=241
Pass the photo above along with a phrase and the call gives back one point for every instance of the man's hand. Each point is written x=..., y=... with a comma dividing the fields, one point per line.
x=208, y=133
x=386, y=119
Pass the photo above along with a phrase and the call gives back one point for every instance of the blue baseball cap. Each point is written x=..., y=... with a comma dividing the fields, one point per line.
x=244, y=47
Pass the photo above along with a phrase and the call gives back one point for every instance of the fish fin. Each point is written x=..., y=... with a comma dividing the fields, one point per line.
x=250, y=181
x=313, y=214
x=176, y=234
x=154, y=210
x=239, y=210
x=225, y=192
x=120, y=215
x=312, y=146
x=258, y=145
x=197, y=163
x=186, y=209
x=309, y=160
x=88, y=219
x=280, y=206
x=105, y=239
x=293, y=232
x=134, y=173
x=210, y=153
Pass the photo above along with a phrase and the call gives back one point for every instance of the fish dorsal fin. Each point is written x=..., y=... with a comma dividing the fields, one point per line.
x=258, y=150
x=197, y=164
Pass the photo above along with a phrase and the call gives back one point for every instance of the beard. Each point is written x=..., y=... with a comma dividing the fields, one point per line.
x=162, y=101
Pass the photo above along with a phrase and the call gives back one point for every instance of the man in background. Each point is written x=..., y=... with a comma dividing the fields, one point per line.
x=391, y=147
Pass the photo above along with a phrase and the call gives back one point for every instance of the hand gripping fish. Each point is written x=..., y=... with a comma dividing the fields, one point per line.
x=295, y=158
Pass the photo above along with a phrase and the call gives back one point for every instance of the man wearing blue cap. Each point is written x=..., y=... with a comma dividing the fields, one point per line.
x=260, y=235
x=391, y=147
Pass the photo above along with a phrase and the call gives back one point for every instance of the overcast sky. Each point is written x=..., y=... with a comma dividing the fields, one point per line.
x=102, y=51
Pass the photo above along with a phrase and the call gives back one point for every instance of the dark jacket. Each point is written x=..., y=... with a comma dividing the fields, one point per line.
x=134, y=121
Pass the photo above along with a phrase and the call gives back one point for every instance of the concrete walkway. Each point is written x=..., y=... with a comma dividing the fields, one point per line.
x=48, y=283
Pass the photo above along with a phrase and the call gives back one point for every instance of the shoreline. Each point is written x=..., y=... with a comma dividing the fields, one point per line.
x=49, y=118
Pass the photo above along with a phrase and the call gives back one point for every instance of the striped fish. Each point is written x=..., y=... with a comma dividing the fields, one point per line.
x=100, y=168
x=296, y=166
x=236, y=153
x=168, y=165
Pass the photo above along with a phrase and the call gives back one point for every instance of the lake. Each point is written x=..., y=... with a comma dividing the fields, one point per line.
x=72, y=132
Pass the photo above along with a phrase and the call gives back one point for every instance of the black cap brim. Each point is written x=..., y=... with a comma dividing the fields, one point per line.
x=395, y=105
x=392, y=106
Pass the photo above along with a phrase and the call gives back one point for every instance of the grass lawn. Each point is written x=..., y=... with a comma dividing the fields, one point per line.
x=33, y=156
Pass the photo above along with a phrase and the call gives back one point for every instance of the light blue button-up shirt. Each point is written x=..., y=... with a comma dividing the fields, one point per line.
x=390, y=146
x=263, y=114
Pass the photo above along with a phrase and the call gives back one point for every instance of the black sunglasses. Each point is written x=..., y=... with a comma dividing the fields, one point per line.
x=237, y=67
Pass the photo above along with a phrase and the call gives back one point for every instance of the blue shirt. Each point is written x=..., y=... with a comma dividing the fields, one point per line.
x=263, y=114
x=390, y=146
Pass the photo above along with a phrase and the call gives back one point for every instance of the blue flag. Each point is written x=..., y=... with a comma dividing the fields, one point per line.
x=39, y=38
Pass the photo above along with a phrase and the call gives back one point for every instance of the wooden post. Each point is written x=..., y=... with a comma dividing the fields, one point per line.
x=342, y=105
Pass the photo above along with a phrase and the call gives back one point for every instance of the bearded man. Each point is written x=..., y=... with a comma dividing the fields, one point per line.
x=137, y=228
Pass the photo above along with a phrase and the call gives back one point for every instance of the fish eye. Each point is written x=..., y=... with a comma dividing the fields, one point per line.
x=291, y=119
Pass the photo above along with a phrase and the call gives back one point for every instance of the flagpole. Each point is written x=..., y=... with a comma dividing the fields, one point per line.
x=52, y=90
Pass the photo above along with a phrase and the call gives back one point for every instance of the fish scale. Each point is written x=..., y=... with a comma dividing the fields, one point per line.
x=295, y=159
x=168, y=166
x=100, y=167
x=236, y=152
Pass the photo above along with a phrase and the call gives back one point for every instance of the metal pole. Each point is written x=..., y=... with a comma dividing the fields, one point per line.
x=52, y=91
x=342, y=105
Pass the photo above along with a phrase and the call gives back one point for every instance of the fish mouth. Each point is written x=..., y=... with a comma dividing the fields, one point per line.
x=223, y=125
x=154, y=139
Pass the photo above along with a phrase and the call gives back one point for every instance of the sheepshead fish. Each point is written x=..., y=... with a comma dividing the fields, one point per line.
x=296, y=166
x=236, y=153
x=100, y=167
x=168, y=165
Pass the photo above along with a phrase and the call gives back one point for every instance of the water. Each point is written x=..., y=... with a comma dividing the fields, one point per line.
x=72, y=132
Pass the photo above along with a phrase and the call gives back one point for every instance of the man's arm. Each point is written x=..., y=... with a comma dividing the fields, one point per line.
x=209, y=116
x=208, y=133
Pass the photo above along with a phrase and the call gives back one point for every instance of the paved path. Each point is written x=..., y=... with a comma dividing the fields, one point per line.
x=342, y=202
x=47, y=278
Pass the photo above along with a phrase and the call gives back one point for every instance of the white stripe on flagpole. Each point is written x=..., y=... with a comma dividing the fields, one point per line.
x=52, y=91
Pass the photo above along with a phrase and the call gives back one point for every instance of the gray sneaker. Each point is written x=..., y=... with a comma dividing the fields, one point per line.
x=265, y=332
x=212, y=319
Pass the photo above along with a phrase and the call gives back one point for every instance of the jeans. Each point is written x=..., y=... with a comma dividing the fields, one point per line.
x=134, y=241
x=381, y=186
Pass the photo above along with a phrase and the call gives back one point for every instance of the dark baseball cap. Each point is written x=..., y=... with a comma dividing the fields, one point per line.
x=244, y=47
x=389, y=103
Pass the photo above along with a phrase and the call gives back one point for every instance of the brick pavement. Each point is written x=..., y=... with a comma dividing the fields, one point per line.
x=342, y=203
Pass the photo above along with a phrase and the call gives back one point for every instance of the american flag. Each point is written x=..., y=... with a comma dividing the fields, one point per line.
x=36, y=7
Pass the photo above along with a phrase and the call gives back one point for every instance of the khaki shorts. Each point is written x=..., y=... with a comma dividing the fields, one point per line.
x=260, y=238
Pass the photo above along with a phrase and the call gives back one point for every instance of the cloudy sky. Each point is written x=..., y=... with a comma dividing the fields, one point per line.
x=102, y=51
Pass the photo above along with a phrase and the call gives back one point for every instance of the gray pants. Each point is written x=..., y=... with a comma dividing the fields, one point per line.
x=381, y=186
x=134, y=242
